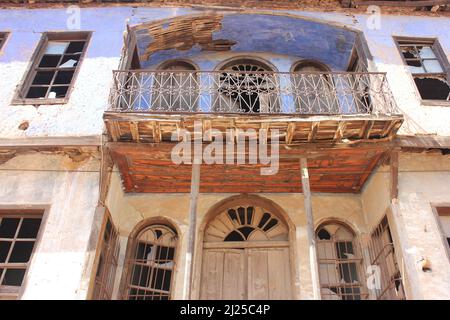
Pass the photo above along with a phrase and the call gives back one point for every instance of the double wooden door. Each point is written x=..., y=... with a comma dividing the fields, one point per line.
x=246, y=273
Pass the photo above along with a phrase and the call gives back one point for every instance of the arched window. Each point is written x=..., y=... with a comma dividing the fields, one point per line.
x=246, y=223
x=175, y=87
x=339, y=263
x=247, y=85
x=314, y=88
x=151, y=263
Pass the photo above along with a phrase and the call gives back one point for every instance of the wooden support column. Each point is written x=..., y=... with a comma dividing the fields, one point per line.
x=195, y=186
x=310, y=229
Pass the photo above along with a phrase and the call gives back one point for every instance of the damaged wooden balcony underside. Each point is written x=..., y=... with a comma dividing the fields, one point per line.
x=150, y=128
x=341, y=168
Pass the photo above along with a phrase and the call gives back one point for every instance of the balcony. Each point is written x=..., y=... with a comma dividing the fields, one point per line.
x=333, y=119
x=147, y=106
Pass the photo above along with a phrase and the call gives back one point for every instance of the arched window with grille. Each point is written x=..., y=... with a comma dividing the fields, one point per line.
x=175, y=87
x=313, y=88
x=151, y=263
x=247, y=85
x=339, y=262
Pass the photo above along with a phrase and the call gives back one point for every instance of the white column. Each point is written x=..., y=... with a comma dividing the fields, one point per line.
x=310, y=229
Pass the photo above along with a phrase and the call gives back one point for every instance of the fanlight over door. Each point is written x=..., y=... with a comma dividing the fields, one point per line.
x=246, y=256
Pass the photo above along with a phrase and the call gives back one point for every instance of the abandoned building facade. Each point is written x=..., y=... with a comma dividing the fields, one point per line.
x=354, y=105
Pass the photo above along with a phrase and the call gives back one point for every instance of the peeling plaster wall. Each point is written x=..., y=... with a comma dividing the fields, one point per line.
x=128, y=210
x=82, y=115
x=266, y=34
x=424, y=181
x=58, y=268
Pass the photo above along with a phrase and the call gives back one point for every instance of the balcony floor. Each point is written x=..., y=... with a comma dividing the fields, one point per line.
x=151, y=128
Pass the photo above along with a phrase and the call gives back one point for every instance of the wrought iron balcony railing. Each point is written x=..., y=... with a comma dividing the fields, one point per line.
x=312, y=93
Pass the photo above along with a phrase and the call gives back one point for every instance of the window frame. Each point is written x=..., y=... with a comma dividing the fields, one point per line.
x=4, y=36
x=13, y=292
x=19, y=96
x=437, y=215
x=435, y=45
x=103, y=288
x=132, y=242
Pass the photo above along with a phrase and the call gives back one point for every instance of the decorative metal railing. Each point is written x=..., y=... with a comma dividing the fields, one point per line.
x=312, y=93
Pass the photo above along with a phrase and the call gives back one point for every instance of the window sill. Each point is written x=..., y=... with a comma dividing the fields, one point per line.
x=39, y=101
x=435, y=103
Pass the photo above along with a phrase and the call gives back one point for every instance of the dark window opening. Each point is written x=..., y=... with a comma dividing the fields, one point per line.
x=430, y=88
x=18, y=233
x=323, y=234
x=264, y=219
x=234, y=236
x=246, y=231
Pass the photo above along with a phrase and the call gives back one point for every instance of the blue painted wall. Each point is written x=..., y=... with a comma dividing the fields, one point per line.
x=281, y=35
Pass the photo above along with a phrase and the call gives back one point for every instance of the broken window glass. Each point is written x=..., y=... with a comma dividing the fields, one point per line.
x=54, y=71
x=153, y=264
x=339, y=263
x=427, y=69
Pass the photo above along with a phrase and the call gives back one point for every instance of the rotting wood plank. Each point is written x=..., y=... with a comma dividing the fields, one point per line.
x=134, y=131
x=393, y=165
x=314, y=128
x=290, y=132
x=339, y=131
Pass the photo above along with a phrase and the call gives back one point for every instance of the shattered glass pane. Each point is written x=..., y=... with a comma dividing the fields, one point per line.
x=416, y=69
x=56, y=47
x=414, y=63
x=432, y=66
x=409, y=52
x=426, y=53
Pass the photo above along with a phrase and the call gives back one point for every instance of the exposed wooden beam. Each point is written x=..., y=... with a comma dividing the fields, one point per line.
x=290, y=130
x=419, y=3
x=422, y=142
x=367, y=129
x=114, y=130
x=206, y=123
x=310, y=228
x=393, y=164
x=264, y=132
x=156, y=131
x=134, y=131
x=312, y=134
x=339, y=131
x=38, y=142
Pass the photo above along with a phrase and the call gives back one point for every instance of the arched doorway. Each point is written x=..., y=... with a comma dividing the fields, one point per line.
x=246, y=253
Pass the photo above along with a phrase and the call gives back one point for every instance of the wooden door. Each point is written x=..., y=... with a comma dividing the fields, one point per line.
x=251, y=273
x=269, y=274
x=223, y=273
